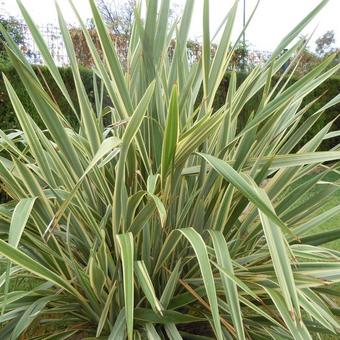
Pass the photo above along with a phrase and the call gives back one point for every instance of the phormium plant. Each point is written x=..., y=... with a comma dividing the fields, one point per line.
x=162, y=217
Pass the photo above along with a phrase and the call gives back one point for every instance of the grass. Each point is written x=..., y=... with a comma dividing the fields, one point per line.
x=334, y=200
x=333, y=223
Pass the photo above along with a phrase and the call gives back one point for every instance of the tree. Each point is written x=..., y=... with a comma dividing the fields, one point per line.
x=325, y=44
x=83, y=52
x=15, y=30
x=118, y=15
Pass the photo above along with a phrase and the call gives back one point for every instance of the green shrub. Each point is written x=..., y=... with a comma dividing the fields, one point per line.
x=166, y=216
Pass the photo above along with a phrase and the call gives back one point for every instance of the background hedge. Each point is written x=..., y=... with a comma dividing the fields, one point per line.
x=7, y=116
x=327, y=90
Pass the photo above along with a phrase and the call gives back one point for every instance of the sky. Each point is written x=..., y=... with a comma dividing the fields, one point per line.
x=272, y=21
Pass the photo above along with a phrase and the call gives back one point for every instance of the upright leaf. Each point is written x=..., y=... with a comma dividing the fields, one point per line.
x=171, y=133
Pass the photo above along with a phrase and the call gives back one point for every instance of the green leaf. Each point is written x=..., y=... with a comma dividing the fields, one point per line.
x=225, y=170
x=48, y=112
x=172, y=332
x=200, y=249
x=130, y=132
x=45, y=53
x=152, y=183
x=147, y=286
x=160, y=208
x=171, y=132
x=206, y=49
x=104, y=315
x=30, y=135
x=31, y=313
x=33, y=266
x=145, y=315
x=280, y=254
x=298, y=330
x=19, y=220
x=107, y=146
x=317, y=312
x=20, y=217
x=171, y=285
x=316, y=221
x=97, y=277
x=87, y=114
x=321, y=238
x=119, y=328
x=111, y=57
x=126, y=246
x=230, y=288
x=151, y=332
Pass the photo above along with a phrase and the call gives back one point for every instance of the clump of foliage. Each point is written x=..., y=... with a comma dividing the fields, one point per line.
x=118, y=16
x=240, y=60
x=17, y=31
x=325, y=46
x=170, y=219
x=83, y=53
